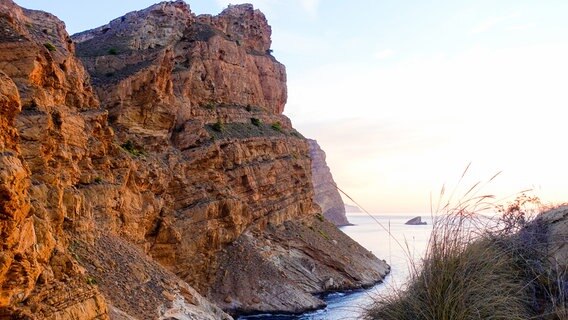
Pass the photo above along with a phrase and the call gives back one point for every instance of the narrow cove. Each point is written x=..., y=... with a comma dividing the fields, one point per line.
x=366, y=231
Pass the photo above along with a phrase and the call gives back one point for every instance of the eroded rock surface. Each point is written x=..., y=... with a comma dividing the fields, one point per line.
x=148, y=169
x=41, y=107
x=19, y=267
x=138, y=286
x=304, y=257
x=57, y=149
x=326, y=194
x=163, y=67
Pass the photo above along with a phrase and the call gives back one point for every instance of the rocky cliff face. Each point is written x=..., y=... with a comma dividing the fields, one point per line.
x=163, y=68
x=57, y=151
x=41, y=153
x=184, y=165
x=326, y=194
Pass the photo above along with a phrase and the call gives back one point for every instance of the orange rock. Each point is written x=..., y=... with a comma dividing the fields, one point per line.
x=188, y=156
x=19, y=267
x=160, y=67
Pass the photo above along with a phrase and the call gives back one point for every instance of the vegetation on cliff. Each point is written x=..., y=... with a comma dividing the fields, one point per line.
x=112, y=156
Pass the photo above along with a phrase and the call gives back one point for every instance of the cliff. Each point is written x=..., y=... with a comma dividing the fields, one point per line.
x=59, y=158
x=150, y=156
x=326, y=194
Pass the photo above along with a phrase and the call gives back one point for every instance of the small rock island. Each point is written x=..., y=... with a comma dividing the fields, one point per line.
x=416, y=221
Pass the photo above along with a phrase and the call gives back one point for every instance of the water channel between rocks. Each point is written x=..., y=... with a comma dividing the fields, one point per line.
x=366, y=231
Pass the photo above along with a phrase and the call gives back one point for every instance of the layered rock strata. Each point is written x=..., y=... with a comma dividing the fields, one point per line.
x=326, y=194
x=41, y=151
x=57, y=151
x=304, y=257
x=156, y=169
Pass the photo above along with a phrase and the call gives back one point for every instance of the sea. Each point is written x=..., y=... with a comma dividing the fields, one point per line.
x=389, y=238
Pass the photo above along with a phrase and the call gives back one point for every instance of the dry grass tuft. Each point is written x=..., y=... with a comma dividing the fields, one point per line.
x=481, y=268
x=463, y=276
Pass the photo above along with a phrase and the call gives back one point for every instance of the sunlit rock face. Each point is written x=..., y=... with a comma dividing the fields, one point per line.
x=58, y=158
x=158, y=68
x=326, y=193
x=43, y=141
x=148, y=154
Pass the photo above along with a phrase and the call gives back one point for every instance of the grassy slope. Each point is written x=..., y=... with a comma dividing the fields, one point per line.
x=472, y=272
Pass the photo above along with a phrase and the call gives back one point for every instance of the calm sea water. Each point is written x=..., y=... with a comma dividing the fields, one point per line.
x=406, y=243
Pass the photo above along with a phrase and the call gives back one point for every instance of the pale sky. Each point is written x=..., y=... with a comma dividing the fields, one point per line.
x=402, y=95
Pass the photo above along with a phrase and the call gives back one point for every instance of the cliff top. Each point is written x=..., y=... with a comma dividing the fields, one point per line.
x=167, y=22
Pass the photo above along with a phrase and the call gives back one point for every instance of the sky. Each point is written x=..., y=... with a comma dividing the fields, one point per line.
x=403, y=95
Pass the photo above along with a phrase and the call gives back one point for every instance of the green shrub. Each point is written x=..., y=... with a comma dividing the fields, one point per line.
x=210, y=105
x=218, y=126
x=50, y=46
x=277, y=126
x=132, y=149
x=91, y=281
x=323, y=234
x=256, y=122
x=112, y=51
x=98, y=180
